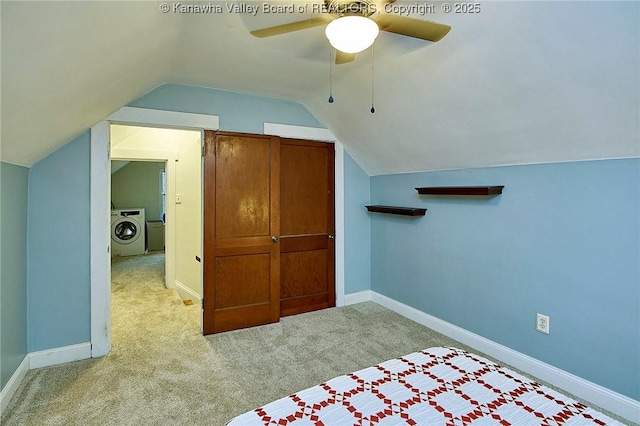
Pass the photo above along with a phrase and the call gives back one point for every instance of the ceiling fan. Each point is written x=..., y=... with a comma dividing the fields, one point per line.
x=353, y=25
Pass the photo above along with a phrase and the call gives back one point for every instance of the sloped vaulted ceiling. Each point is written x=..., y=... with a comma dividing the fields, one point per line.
x=520, y=82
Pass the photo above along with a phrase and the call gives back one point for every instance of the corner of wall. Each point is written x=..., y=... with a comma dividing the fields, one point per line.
x=58, y=268
x=357, y=194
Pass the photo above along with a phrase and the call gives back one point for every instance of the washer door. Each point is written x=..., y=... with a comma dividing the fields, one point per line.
x=125, y=230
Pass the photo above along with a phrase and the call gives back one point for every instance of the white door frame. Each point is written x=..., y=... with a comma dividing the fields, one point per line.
x=100, y=205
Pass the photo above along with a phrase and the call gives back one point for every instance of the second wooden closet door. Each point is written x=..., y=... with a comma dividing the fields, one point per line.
x=307, y=244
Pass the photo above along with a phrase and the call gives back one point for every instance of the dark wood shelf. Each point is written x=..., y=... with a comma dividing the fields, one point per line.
x=404, y=211
x=460, y=190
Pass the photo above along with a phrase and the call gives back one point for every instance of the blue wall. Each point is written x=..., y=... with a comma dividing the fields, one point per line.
x=13, y=267
x=238, y=112
x=59, y=248
x=562, y=240
x=357, y=227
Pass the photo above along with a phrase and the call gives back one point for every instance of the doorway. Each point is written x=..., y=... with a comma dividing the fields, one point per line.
x=159, y=177
x=137, y=228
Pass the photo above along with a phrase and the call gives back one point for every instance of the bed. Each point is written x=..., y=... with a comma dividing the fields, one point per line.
x=436, y=386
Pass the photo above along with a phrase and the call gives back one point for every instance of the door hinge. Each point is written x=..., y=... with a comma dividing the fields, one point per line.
x=202, y=150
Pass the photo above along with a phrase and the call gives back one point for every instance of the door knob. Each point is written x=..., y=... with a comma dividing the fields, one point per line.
x=274, y=239
x=332, y=237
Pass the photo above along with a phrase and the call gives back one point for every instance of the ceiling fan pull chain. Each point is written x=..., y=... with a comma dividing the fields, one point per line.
x=373, y=110
x=330, y=78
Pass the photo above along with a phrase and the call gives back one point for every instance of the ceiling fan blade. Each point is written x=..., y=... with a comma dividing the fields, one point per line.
x=425, y=30
x=291, y=27
x=343, y=58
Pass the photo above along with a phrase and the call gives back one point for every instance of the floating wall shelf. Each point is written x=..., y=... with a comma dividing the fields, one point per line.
x=460, y=190
x=404, y=211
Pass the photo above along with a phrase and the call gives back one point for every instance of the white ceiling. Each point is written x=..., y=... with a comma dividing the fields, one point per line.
x=520, y=82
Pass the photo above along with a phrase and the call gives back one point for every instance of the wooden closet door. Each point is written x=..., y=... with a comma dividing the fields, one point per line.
x=307, y=224
x=241, y=229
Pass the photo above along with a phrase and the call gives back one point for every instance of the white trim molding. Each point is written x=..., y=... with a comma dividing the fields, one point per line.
x=299, y=132
x=14, y=382
x=595, y=394
x=339, y=223
x=161, y=118
x=186, y=293
x=61, y=355
x=359, y=297
x=100, y=220
x=143, y=154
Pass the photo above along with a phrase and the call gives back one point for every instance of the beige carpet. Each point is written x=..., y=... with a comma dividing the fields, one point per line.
x=162, y=371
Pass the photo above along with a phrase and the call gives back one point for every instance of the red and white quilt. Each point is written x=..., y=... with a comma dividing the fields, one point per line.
x=437, y=386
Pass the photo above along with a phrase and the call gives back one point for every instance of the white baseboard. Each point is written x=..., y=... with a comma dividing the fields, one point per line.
x=41, y=359
x=186, y=293
x=59, y=355
x=359, y=297
x=595, y=394
x=12, y=385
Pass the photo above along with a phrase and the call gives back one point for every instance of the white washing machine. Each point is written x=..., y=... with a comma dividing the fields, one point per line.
x=127, y=232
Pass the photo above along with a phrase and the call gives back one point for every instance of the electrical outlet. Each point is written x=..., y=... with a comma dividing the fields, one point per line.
x=542, y=323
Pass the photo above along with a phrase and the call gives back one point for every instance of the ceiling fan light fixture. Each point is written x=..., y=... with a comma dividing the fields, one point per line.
x=352, y=34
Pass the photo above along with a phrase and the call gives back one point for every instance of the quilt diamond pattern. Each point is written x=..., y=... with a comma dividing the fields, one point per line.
x=436, y=386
